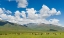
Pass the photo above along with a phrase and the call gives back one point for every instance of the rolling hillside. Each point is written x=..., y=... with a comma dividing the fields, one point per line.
x=7, y=26
x=45, y=27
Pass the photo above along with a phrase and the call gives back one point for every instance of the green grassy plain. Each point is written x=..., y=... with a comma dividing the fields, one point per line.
x=8, y=30
x=30, y=35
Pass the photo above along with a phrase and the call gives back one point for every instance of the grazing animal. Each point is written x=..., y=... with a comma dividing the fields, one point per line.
x=41, y=33
x=5, y=34
x=18, y=33
x=55, y=33
x=0, y=34
x=60, y=33
x=36, y=33
x=32, y=33
x=47, y=33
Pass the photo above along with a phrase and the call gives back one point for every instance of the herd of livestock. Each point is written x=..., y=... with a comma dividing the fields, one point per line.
x=31, y=33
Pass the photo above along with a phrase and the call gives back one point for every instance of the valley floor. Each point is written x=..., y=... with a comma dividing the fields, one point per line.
x=33, y=35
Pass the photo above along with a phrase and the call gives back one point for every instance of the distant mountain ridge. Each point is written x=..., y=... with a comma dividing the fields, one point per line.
x=5, y=25
x=45, y=27
x=5, y=22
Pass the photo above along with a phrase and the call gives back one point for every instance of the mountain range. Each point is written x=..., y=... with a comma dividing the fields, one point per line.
x=8, y=26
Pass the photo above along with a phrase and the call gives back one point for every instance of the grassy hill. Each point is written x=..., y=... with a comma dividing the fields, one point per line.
x=45, y=27
x=8, y=26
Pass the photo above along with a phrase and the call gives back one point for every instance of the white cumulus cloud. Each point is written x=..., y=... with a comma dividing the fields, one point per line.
x=22, y=3
x=31, y=13
x=47, y=12
x=32, y=16
x=1, y=11
x=0, y=18
x=58, y=13
x=54, y=22
x=23, y=13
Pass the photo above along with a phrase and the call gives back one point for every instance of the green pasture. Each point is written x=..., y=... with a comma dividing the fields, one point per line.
x=30, y=35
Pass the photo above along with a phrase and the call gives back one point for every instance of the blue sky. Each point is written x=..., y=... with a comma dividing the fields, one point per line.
x=12, y=5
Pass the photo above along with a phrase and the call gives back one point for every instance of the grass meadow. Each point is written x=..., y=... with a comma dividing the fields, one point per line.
x=33, y=35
